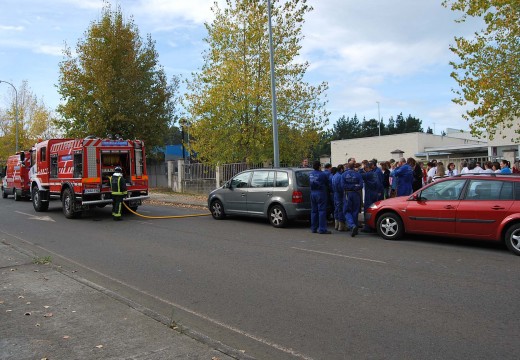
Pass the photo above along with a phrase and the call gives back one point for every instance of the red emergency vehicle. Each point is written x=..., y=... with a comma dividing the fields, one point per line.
x=77, y=172
x=16, y=180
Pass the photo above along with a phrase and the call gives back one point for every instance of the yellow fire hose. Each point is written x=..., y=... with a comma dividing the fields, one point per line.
x=163, y=217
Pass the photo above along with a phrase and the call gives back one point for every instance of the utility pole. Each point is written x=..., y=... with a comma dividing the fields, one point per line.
x=378, y=118
x=276, y=154
x=16, y=111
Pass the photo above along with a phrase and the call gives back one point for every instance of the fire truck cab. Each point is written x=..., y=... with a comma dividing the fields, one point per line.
x=77, y=171
x=16, y=180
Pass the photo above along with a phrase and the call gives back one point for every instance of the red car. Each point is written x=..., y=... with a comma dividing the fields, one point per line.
x=476, y=206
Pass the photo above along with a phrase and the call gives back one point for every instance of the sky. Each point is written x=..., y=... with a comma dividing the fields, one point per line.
x=379, y=57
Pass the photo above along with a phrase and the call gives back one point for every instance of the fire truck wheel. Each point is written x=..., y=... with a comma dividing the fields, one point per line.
x=17, y=196
x=38, y=204
x=68, y=204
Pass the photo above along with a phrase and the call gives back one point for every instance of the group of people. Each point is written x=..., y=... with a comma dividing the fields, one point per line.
x=338, y=190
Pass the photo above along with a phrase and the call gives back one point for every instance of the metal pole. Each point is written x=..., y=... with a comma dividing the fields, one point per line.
x=378, y=118
x=16, y=112
x=276, y=155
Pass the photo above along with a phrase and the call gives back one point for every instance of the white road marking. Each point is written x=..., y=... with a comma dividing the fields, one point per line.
x=34, y=217
x=340, y=255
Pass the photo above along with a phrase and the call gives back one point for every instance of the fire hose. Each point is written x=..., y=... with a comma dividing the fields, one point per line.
x=163, y=217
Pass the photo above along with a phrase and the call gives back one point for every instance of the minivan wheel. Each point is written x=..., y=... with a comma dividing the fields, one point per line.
x=390, y=226
x=512, y=239
x=217, y=210
x=277, y=216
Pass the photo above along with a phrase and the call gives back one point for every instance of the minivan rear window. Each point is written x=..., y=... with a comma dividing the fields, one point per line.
x=282, y=179
x=302, y=178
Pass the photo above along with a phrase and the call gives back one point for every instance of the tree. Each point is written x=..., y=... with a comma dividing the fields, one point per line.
x=369, y=128
x=35, y=121
x=488, y=72
x=114, y=86
x=346, y=128
x=413, y=124
x=229, y=100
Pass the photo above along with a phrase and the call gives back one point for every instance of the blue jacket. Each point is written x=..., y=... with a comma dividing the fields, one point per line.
x=319, y=181
x=337, y=182
x=352, y=180
x=404, y=175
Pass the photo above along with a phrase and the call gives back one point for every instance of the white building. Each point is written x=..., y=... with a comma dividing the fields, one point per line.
x=454, y=146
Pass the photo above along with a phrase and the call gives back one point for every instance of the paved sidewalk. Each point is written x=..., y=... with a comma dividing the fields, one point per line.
x=47, y=313
x=178, y=198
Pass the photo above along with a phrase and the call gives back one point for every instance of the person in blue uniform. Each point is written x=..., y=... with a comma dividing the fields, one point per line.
x=352, y=184
x=373, y=189
x=404, y=175
x=381, y=182
x=319, y=182
x=339, y=199
x=330, y=171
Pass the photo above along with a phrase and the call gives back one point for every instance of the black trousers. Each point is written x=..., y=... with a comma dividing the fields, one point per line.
x=117, y=206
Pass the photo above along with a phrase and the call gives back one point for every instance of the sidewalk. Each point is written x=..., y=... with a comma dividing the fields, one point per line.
x=47, y=313
x=171, y=197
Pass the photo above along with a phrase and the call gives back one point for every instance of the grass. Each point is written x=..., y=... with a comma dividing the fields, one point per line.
x=42, y=260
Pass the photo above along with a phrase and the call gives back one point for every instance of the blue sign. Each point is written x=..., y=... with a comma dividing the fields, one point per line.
x=114, y=143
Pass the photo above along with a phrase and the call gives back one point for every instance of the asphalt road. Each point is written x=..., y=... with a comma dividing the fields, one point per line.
x=287, y=293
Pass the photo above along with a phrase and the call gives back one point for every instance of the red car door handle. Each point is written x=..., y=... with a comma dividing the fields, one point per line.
x=450, y=207
x=496, y=207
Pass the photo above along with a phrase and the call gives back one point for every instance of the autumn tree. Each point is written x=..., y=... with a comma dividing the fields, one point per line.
x=488, y=73
x=229, y=99
x=35, y=121
x=114, y=85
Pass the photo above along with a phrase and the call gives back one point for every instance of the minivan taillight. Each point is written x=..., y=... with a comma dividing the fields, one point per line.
x=297, y=197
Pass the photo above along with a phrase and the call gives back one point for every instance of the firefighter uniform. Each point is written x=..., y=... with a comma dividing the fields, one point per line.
x=118, y=188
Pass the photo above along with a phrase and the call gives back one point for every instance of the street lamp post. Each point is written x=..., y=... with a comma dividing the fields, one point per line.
x=16, y=111
x=276, y=154
x=378, y=119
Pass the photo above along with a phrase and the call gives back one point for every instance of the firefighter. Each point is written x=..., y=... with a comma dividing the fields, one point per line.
x=118, y=187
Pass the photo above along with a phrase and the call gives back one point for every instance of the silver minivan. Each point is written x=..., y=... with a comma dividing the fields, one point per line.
x=279, y=195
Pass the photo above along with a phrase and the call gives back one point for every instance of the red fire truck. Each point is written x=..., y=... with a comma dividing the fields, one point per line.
x=16, y=180
x=77, y=172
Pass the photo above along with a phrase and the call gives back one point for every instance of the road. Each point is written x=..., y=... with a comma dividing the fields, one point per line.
x=287, y=293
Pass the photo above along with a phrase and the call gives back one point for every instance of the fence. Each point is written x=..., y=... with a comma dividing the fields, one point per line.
x=195, y=178
x=202, y=179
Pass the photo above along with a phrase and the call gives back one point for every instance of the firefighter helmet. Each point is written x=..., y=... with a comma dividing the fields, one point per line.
x=118, y=169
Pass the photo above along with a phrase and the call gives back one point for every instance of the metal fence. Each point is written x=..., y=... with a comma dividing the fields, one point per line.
x=195, y=178
x=201, y=179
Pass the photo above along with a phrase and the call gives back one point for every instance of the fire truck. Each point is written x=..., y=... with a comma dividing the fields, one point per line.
x=16, y=180
x=77, y=171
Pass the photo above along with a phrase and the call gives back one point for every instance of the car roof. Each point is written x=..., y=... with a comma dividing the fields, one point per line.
x=512, y=177
x=281, y=168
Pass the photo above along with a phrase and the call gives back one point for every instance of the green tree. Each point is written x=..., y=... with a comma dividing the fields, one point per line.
x=488, y=73
x=114, y=85
x=35, y=121
x=229, y=100
x=369, y=128
x=413, y=124
x=346, y=128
